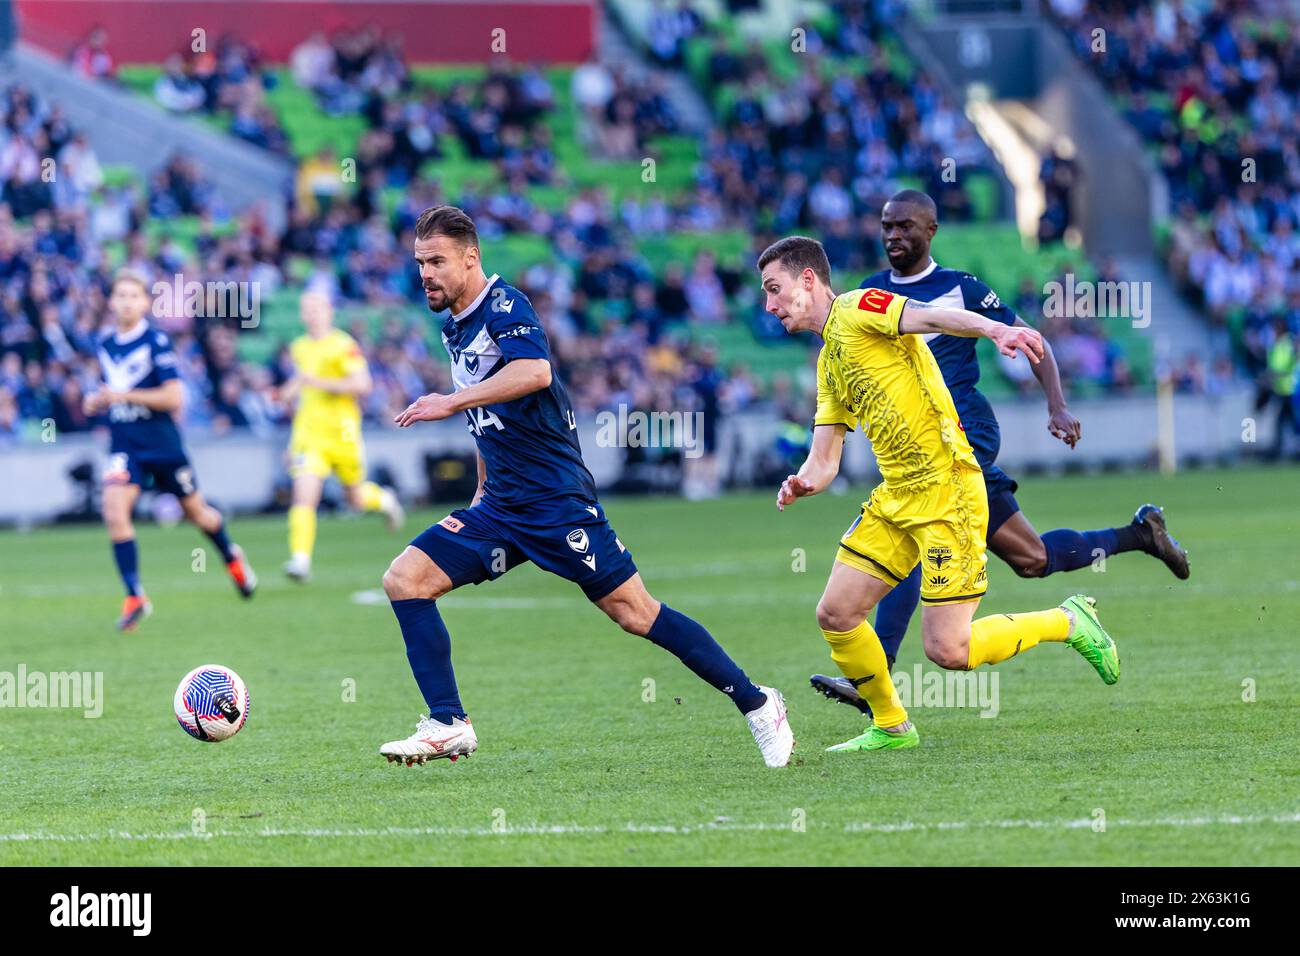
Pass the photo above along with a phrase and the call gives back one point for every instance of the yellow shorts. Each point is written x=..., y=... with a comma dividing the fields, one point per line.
x=345, y=459
x=942, y=526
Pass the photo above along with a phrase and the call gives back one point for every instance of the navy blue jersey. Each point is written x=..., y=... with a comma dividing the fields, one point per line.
x=530, y=445
x=140, y=358
x=948, y=288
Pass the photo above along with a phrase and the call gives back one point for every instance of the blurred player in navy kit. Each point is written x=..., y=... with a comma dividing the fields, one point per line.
x=141, y=394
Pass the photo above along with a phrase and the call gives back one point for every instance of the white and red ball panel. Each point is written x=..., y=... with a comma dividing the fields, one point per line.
x=211, y=703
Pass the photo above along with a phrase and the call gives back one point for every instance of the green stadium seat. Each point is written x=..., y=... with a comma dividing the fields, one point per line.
x=985, y=195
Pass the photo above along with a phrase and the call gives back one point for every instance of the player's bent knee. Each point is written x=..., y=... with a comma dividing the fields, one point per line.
x=406, y=579
x=948, y=655
x=831, y=617
x=1031, y=561
x=947, y=658
x=118, y=522
x=1031, y=566
x=635, y=617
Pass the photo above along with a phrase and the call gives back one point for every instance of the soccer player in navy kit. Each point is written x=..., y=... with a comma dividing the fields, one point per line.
x=141, y=394
x=536, y=501
x=908, y=224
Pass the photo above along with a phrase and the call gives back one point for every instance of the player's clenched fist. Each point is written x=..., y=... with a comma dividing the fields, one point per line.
x=426, y=408
x=1011, y=339
x=93, y=404
x=793, y=487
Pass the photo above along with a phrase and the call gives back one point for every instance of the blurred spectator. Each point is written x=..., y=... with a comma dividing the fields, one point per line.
x=1058, y=175
x=177, y=89
x=91, y=58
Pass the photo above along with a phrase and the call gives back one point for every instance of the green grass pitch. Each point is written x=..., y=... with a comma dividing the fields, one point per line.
x=1170, y=766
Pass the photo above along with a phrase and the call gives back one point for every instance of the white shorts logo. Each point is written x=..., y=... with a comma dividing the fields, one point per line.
x=578, y=540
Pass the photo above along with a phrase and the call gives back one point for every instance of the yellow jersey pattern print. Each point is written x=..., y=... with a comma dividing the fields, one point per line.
x=890, y=385
x=931, y=506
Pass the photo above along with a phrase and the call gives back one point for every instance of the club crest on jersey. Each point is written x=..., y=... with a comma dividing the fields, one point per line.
x=578, y=540
x=471, y=362
x=939, y=556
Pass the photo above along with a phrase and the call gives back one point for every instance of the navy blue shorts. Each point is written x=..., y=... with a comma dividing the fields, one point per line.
x=173, y=475
x=569, y=537
x=986, y=439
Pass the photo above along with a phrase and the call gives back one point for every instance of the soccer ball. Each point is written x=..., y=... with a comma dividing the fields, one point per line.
x=211, y=703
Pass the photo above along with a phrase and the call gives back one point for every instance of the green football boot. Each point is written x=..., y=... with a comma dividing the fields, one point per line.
x=1090, y=638
x=877, y=739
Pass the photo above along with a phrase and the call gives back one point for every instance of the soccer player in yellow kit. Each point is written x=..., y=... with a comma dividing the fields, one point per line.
x=876, y=371
x=331, y=378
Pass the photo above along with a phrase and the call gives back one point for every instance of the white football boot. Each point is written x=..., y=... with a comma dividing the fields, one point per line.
x=432, y=740
x=391, y=509
x=771, y=729
x=298, y=568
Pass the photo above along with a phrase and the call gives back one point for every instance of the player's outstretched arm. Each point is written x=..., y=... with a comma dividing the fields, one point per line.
x=287, y=393
x=1060, y=421
x=167, y=397
x=920, y=318
x=520, y=377
x=357, y=384
x=820, y=468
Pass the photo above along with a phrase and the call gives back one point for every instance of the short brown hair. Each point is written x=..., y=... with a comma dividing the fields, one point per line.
x=126, y=274
x=797, y=253
x=449, y=221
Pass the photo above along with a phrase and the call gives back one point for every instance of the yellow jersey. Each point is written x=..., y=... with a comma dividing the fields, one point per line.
x=870, y=375
x=321, y=416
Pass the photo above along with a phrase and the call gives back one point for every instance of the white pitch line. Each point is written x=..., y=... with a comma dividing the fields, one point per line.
x=1231, y=820
x=376, y=597
x=570, y=829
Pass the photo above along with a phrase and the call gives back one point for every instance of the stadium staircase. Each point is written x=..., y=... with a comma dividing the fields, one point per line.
x=1120, y=192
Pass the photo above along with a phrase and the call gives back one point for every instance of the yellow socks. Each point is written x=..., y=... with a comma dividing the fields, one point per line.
x=997, y=638
x=862, y=660
x=372, y=497
x=302, y=530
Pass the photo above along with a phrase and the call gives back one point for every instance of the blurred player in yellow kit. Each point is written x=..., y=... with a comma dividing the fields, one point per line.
x=875, y=370
x=330, y=379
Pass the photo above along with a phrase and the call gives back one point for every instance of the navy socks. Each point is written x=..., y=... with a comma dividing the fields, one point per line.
x=222, y=541
x=696, y=648
x=1069, y=550
x=124, y=553
x=428, y=648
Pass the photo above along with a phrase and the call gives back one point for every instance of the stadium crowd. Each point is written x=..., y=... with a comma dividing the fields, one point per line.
x=1214, y=87
x=618, y=327
x=823, y=149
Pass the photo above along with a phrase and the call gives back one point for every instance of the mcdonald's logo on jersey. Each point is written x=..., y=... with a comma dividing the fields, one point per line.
x=875, y=300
